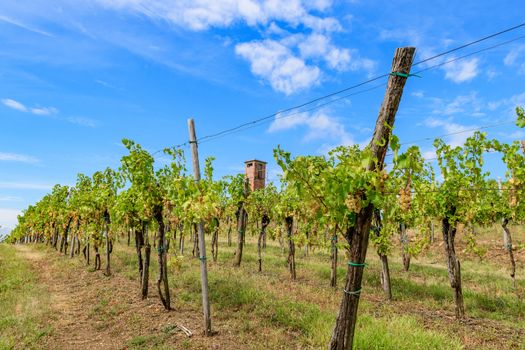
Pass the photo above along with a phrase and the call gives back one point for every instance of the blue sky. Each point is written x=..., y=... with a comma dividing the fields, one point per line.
x=78, y=76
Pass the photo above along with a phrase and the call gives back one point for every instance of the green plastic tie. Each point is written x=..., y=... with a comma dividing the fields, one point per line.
x=334, y=238
x=161, y=249
x=202, y=258
x=404, y=75
x=356, y=292
x=351, y=263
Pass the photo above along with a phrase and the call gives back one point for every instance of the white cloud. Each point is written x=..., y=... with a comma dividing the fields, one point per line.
x=284, y=122
x=512, y=59
x=8, y=217
x=461, y=71
x=516, y=135
x=25, y=186
x=513, y=55
x=19, y=106
x=23, y=26
x=469, y=105
x=14, y=157
x=319, y=5
x=276, y=63
x=44, y=110
x=507, y=106
x=320, y=46
x=418, y=94
x=104, y=83
x=10, y=199
x=320, y=125
x=429, y=154
x=48, y=111
x=200, y=15
x=491, y=74
x=274, y=57
x=457, y=71
x=14, y=104
x=459, y=133
x=82, y=121
x=286, y=63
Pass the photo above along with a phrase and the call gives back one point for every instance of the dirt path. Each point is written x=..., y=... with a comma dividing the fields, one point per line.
x=92, y=311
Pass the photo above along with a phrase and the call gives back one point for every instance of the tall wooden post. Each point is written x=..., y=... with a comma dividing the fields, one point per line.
x=200, y=229
x=357, y=235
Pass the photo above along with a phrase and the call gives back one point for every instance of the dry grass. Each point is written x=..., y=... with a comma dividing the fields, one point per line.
x=253, y=310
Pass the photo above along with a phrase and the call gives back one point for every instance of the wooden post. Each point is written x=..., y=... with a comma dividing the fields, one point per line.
x=523, y=145
x=200, y=228
x=357, y=235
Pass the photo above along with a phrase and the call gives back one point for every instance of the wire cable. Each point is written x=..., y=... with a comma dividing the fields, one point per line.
x=279, y=114
x=469, y=44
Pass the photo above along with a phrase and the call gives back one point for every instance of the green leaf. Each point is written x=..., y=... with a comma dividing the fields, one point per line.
x=520, y=122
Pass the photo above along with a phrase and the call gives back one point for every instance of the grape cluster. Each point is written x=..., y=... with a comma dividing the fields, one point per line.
x=513, y=198
x=353, y=203
x=405, y=198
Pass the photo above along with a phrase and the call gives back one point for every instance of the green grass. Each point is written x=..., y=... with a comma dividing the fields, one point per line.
x=262, y=301
x=266, y=310
x=148, y=342
x=399, y=332
x=22, y=306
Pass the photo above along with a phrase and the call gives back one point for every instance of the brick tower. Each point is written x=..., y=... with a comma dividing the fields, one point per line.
x=256, y=173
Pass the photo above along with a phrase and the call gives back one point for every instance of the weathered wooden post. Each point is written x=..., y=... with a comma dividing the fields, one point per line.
x=357, y=236
x=200, y=229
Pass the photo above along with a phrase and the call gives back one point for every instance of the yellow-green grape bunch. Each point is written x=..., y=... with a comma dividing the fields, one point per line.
x=405, y=198
x=513, y=200
x=380, y=181
x=353, y=203
x=278, y=232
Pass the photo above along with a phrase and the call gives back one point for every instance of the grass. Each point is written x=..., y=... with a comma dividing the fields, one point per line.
x=399, y=332
x=268, y=311
x=22, y=306
x=269, y=303
x=258, y=304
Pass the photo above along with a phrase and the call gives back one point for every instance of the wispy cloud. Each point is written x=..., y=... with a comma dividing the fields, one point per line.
x=19, y=106
x=512, y=59
x=418, y=94
x=8, y=217
x=513, y=55
x=23, y=26
x=44, y=110
x=319, y=126
x=459, y=71
x=466, y=105
x=48, y=112
x=14, y=104
x=462, y=71
x=104, y=83
x=457, y=133
x=82, y=121
x=15, y=157
x=202, y=15
x=25, y=186
x=10, y=199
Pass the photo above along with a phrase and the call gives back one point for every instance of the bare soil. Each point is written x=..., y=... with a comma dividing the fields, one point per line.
x=90, y=313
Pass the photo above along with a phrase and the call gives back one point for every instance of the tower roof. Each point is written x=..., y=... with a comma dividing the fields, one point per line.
x=255, y=160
